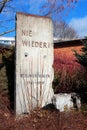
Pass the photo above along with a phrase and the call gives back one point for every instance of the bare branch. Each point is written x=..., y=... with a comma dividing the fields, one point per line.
x=8, y=20
x=7, y=32
x=3, y=5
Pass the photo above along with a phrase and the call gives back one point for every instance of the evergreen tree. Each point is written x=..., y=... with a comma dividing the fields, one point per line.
x=82, y=58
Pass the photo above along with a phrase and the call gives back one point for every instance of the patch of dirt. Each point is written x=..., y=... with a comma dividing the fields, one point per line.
x=40, y=119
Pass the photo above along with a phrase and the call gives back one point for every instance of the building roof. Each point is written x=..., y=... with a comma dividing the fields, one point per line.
x=69, y=43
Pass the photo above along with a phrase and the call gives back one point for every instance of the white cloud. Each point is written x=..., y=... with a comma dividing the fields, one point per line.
x=80, y=25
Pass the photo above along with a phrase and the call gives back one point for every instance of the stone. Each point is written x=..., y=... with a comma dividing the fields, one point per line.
x=66, y=102
x=34, y=59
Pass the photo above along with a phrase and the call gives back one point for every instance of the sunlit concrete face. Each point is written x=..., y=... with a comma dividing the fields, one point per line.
x=34, y=59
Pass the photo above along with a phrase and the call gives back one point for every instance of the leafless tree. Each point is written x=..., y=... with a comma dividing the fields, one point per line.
x=8, y=9
x=5, y=7
x=63, y=31
x=2, y=5
x=57, y=6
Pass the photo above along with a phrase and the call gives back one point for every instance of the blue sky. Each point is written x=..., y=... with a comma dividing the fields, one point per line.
x=77, y=17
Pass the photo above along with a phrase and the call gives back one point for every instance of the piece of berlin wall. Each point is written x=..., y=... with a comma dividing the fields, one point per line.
x=34, y=60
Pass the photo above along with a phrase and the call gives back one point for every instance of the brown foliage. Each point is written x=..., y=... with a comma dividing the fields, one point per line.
x=40, y=119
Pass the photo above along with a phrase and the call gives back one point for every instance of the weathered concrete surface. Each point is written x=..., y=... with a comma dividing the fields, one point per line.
x=34, y=59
